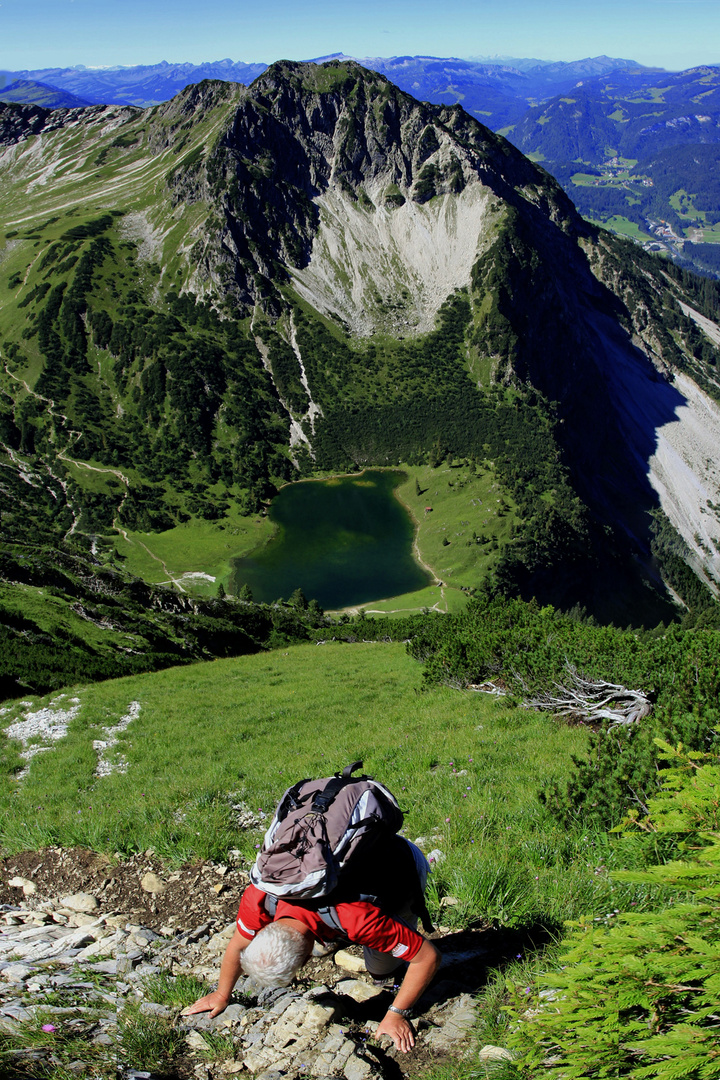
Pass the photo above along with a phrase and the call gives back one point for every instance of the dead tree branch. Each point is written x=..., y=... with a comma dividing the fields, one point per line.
x=487, y=688
x=591, y=700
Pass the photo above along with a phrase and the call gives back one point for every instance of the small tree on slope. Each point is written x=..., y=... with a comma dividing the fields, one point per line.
x=637, y=994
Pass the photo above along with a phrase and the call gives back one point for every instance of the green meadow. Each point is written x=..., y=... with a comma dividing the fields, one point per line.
x=197, y=554
x=623, y=226
x=466, y=768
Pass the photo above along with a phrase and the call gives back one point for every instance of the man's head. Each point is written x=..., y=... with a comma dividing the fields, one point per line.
x=277, y=952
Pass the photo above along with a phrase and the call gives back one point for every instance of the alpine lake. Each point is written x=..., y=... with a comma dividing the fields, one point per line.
x=344, y=541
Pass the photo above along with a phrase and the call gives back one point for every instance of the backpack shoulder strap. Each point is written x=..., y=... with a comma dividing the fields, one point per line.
x=270, y=904
x=291, y=800
x=329, y=916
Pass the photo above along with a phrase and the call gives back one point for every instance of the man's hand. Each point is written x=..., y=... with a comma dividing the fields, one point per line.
x=229, y=974
x=213, y=1003
x=417, y=977
x=399, y=1029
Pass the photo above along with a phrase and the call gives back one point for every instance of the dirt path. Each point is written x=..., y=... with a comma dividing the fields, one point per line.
x=62, y=455
x=415, y=546
x=171, y=579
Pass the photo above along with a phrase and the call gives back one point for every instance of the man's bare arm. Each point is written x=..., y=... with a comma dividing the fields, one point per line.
x=230, y=971
x=418, y=976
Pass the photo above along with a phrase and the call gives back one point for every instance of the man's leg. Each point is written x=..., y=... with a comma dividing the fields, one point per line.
x=379, y=964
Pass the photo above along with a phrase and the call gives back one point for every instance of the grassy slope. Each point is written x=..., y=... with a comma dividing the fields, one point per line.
x=196, y=547
x=466, y=768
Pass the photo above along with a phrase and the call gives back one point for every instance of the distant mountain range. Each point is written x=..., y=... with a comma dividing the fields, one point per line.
x=497, y=93
x=143, y=85
x=636, y=148
x=31, y=92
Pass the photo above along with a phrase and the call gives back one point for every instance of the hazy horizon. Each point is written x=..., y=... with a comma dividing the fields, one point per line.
x=495, y=60
x=671, y=34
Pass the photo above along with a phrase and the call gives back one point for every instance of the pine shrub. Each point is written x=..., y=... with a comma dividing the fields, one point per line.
x=636, y=993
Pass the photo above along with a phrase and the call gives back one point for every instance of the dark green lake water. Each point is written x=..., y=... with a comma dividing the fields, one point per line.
x=343, y=541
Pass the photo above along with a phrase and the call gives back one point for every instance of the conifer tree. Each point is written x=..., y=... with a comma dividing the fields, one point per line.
x=636, y=993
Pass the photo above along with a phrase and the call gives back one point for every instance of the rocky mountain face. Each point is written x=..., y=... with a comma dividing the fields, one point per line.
x=331, y=173
x=625, y=141
x=212, y=296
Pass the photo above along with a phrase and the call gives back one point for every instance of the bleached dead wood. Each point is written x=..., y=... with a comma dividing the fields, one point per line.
x=592, y=700
x=486, y=688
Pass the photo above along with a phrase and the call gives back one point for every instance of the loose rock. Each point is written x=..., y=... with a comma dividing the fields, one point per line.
x=82, y=901
x=495, y=1053
x=285, y=1033
x=153, y=884
x=28, y=887
x=346, y=960
x=357, y=990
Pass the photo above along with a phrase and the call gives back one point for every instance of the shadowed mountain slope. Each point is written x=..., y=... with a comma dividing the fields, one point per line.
x=243, y=285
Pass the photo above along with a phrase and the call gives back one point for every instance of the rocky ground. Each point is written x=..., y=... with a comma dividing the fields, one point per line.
x=98, y=959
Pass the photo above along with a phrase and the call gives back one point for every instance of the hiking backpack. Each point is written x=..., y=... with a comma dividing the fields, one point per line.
x=334, y=840
x=319, y=825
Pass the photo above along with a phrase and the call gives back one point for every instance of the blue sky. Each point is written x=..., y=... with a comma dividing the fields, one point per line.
x=48, y=33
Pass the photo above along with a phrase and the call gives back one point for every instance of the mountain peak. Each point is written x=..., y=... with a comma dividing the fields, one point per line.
x=311, y=145
x=327, y=77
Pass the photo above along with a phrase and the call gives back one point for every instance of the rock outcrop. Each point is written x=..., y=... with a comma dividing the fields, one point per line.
x=66, y=962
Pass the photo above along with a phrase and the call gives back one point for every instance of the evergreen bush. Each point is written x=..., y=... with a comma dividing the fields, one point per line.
x=636, y=993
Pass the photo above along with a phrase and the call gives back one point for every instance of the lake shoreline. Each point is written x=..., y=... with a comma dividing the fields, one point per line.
x=346, y=539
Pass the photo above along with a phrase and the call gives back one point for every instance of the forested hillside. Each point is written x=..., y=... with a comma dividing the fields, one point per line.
x=245, y=294
x=640, y=147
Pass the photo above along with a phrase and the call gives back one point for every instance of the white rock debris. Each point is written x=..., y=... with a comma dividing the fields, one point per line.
x=672, y=430
x=313, y=410
x=393, y=269
x=49, y=723
x=708, y=327
x=106, y=766
x=137, y=228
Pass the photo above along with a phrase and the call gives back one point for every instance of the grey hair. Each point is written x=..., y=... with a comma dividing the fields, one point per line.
x=276, y=954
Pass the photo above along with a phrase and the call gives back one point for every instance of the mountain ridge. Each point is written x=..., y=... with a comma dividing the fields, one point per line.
x=575, y=116
x=105, y=85
x=220, y=194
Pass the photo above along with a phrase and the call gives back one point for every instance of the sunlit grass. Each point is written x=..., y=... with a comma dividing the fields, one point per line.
x=465, y=768
x=435, y=598
x=456, y=505
x=623, y=226
x=196, y=547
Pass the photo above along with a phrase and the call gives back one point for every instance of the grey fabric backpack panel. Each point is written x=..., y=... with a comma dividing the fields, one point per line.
x=318, y=827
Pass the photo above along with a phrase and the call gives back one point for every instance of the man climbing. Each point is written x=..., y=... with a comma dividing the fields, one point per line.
x=333, y=867
x=272, y=949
